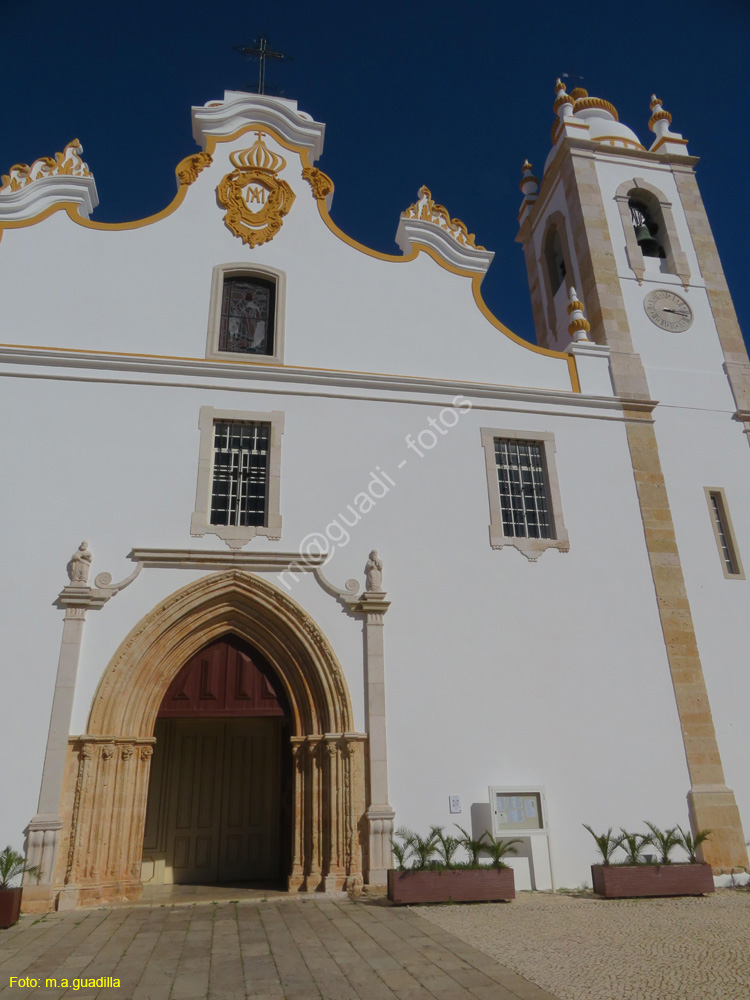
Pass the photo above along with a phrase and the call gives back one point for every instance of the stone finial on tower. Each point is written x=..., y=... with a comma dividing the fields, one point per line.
x=529, y=188
x=659, y=123
x=563, y=105
x=565, y=123
x=579, y=326
x=658, y=115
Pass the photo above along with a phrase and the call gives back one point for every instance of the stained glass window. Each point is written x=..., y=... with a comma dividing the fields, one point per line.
x=247, y=316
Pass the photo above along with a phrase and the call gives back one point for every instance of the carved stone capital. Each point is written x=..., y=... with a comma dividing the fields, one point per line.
x=80, y=597
x=374, y=605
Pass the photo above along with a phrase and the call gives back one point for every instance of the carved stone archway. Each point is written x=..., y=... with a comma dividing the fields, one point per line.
x=107, y=771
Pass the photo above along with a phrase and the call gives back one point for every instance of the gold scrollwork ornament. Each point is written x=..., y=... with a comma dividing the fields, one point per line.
x=188, y=169
x=255, y=182
x=321, y=183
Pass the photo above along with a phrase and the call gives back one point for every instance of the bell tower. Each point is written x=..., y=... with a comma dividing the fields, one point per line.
x=625, y=226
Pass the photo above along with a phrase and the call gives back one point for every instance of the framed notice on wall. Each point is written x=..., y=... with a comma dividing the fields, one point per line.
x=517, y=810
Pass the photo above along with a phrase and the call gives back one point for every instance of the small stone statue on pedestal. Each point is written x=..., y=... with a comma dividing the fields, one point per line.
x=80, y=564
x=374, y=574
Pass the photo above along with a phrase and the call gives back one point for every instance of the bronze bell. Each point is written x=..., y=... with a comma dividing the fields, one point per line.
x=647, y=243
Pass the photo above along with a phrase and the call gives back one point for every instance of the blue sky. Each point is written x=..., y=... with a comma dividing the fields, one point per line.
x=448, y=95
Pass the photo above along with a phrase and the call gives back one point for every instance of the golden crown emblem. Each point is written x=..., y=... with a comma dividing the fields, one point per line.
x=255, y=198
x=258, y=157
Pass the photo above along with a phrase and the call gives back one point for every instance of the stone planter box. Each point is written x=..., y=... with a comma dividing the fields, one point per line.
x=470, y=885
x=10, y=906
x=628, y=881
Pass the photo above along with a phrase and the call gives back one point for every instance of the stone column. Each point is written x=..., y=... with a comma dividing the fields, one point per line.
x=313, y=867
x=77, y=597
x=299, y=755
x=351, y=812
x=373, y=605
x=44, y=828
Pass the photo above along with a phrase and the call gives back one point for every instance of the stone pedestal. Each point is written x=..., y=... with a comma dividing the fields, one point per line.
x=380, y=842
x=713, y=807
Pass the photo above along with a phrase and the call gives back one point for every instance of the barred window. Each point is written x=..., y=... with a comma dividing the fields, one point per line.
x=239, y=493
x=524, y=491
x=248, y=306
x=522, y=482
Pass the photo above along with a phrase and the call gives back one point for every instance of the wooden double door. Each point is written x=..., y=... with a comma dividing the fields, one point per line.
x=223, y=808
x=220, y=771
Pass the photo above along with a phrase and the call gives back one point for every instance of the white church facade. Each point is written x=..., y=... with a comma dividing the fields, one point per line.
x=357, y=556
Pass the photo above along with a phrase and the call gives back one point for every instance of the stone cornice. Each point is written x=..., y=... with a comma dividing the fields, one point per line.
x=238, y=110
x=217, y=374
x=633, y=154
x=45, y=193
x=219, y=559
x=412, y=233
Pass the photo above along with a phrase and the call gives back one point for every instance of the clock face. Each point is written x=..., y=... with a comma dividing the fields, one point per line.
x=668, y=310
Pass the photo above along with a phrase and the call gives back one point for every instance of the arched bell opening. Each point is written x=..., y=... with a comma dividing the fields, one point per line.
x=648, y=224
x=650, y=230
x=108, y=768
x=219, y=807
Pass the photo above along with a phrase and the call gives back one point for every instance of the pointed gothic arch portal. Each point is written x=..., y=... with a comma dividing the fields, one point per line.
x=108, y=769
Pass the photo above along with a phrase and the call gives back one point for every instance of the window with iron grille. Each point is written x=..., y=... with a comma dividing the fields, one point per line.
x=240, y=473
x=524, y=491
x=238, y=494
x=522, y=482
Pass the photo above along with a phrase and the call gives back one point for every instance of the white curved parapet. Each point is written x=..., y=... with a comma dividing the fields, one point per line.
x=430, y=224
x=27, y=191
x=222, y=118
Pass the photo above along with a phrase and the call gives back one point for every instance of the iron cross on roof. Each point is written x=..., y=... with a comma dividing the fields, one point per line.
x=259, y=50
x=574, y=78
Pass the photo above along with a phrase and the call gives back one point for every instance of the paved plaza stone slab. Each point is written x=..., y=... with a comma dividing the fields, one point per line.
x=584, y=948
x=285, y=949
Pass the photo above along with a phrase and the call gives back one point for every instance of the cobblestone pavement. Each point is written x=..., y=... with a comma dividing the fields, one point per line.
x=295, y=949
x=629, y=949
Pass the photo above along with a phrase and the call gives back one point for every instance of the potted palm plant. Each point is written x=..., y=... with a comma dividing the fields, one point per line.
x=436, y=876
x=12, y=866
x=640, y=875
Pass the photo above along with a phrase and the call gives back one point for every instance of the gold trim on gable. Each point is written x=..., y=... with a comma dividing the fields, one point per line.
x=211, y=143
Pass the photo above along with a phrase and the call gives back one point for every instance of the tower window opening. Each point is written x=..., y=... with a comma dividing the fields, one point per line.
x=646, y=229
x=555, y=261
x=724, y=534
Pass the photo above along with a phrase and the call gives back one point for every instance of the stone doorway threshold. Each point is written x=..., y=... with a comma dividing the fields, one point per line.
x=187, y=895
